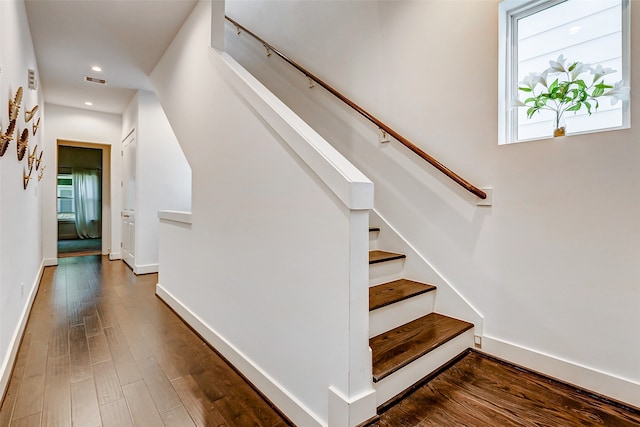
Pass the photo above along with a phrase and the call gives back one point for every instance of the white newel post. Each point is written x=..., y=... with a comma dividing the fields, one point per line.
x=354, y=400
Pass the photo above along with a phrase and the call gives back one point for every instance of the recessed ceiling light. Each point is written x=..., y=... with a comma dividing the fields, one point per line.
x=88, y=103
x=96, y=68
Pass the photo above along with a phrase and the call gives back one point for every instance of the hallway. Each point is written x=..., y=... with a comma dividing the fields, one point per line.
x=102, y=350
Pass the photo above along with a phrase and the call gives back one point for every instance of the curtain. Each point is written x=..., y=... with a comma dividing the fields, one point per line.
x=86, y=191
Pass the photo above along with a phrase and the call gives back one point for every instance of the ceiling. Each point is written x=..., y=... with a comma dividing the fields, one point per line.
x=125, y=38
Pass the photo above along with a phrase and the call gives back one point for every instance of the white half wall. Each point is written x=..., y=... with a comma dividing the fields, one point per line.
x=553, y=264
x=84, y=126
x=273, y=267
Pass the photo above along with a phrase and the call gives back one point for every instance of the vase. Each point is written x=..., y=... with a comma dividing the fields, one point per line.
x=559, y=128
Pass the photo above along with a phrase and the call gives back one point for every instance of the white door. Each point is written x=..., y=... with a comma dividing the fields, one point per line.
x=129, y=198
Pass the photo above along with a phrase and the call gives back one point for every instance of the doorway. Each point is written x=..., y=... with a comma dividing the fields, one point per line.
x=129, y=199
x=79, y=201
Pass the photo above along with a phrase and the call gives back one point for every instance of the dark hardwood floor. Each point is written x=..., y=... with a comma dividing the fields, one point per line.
x=100, y=349
x=479, y=391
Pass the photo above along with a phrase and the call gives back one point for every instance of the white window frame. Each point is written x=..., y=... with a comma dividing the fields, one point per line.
x=509, y=11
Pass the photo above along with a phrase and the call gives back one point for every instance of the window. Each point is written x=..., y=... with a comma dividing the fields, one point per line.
x=66, y=204
x=534, y=32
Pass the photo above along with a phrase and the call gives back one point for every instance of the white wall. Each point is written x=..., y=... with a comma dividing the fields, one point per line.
x=553, y=265
x=163, y=175
x=264, y=270
x=79, y=125
x=20, y=213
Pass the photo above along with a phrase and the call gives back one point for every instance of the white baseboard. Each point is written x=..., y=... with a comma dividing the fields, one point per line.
x=350, y=413
x=286, y=402
x=114, y=256
x=608, y=385
x=7, y=364
x=50, y=262
x=146, y=269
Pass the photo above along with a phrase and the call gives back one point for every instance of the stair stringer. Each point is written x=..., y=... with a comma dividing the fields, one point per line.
x=448, y=300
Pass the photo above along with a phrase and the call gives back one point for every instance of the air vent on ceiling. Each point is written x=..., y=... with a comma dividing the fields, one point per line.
x=31, y=79
x=94, y=80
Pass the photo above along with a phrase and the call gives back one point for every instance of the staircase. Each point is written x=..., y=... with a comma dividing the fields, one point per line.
x=408, y=340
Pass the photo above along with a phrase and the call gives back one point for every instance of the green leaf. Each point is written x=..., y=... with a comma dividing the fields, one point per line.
x=603, y=85
x=525, y=89
x=529, y=100
x=553, y=86
x=588, y=104
x=576, y=107
x=531, y=111
x=598, y=91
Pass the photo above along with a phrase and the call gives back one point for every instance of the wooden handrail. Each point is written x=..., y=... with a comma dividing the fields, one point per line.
x=382, y=126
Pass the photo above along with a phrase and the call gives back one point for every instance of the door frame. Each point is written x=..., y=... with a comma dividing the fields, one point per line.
x=106, y=185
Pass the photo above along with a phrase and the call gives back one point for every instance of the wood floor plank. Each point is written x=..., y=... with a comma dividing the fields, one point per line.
x=98, y=348
x=201, y=409
x=116, y=414
x=59, y=339
x=135, y=339
x=177, y=417
x=234, y=413
x=74, y=308
x=123, y=360
x=56, y=409
x=21, y=358
x=184, y=358
x=30, y=397
x=160, y=388
x=105, y=311
x=6, y=409
x=29, y=421
x=108, y=387
x=79, y=357
x=92, y=325
x=36, y=361
x=84, y=404
x=143, y=410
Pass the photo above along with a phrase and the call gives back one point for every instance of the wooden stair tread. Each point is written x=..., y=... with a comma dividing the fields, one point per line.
x=395, y=291
x=382, y=256
x=400, y=346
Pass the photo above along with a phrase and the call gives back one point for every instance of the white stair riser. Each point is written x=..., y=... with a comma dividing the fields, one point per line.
x=385, y=271
x=418, y=369
x=386, y=318
x=373, y=240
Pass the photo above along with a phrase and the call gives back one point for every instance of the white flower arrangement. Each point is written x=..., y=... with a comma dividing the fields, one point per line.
x=569, y=91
